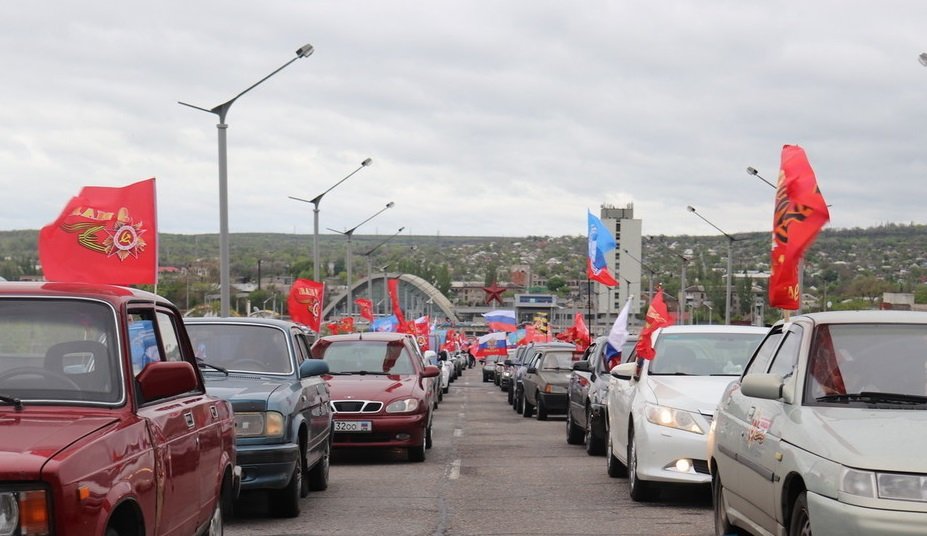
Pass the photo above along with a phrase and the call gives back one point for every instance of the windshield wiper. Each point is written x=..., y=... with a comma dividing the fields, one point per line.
x=202, y=364
x=17, y=403
x=340, y=373
x=365, y=372
x=874, y=397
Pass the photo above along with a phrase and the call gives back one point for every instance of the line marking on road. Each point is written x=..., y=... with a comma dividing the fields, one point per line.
x=458, y=432
x=461, y=415
x=454, y=473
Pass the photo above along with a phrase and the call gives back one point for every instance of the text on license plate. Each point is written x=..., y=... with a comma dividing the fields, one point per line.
x=353, y=426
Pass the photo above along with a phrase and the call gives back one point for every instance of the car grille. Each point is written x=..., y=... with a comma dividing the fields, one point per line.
x=700, y=466
x=356, y=406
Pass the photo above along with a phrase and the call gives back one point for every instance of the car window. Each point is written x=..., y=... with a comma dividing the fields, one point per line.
x=302, y=347
x=703, y=354
x=557, y=361
x=786, y=358
x=764, y=353
x=169, y=339
x=369, y=357
x=242, y=347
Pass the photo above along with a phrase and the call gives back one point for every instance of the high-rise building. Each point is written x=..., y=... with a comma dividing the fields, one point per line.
x=624, y=262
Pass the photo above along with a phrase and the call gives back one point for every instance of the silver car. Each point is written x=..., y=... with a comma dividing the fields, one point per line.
x=823, y=432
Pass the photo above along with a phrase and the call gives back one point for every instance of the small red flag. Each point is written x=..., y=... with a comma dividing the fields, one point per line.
x=305, y=303
x=104, y=235
x=366, y=308
x=799, y=215
x=657, y=317
x=392, y=287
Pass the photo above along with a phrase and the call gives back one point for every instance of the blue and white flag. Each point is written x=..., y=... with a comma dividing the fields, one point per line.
x=617, y=336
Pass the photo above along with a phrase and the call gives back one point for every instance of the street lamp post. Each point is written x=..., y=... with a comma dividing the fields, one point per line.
x=222, y=110
x=348, y=261
x=369, y=269
x=682, y=276
x=649, y=279
x=315, y=217
x=730, y=274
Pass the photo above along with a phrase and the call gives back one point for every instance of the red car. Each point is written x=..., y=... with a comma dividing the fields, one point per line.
x=379, y=391
x=105, y=425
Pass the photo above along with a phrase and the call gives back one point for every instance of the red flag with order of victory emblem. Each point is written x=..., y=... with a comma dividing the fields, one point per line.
x=366, y=308
x=657, y=317
x=104, y=235
x=799, y=215
x=305, y=303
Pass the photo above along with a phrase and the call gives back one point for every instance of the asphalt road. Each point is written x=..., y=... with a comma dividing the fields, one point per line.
x=490, y=472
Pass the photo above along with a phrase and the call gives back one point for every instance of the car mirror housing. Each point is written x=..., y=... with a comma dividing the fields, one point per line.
x=313, y=367
x=507, y=362
x=164, y=379
x=431, y=371
x=581, y=366
x=532, y=370
x=624, y=371
x=766, y=386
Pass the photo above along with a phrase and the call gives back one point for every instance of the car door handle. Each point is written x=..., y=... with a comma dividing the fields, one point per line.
x=751, y=412
x=188, y=417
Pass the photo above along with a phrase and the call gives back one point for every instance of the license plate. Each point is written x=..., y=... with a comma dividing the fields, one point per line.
x=353, y=426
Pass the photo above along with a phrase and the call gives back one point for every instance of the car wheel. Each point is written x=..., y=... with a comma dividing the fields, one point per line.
x=527, y=410
x=417, y=453
x=511, y=396
x=800, y=524
x=318, y=475
x=574, y=434
x=485, y=378
x=446, y=390
x=285, y=502
x=428, y=438
x=640, y=490
x=518, y=402
x=594, y=445
x=542, y=410
x=723, y=525
x=613, y=465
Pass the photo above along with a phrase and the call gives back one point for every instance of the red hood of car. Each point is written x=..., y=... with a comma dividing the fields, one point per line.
x=33, y=436
x=372, y=387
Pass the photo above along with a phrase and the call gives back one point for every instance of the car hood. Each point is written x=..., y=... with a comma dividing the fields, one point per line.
x=371, y=387
x=30, y=438
x=699, y=394
x=877, y=439
x=245, y=393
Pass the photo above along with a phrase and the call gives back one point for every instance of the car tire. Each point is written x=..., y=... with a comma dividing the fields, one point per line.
x=640, y=490
x=527, y=410
x=216, y=525
x=417, y=453
x=613, y=465
x=542, y=410
x=723, y=525
x=800, y=522
x=511, y=396
x=574, y=434
x=485, y=378
x=446, y=390
x=595, y=446
x=518, y=401
x=318, y=475
x=285, y=502
x=429, y=440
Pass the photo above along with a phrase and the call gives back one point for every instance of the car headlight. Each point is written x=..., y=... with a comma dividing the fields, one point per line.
x=896, y=486
x=672, y=418
x=24, y=512
x=255, y=424
x=403, y=406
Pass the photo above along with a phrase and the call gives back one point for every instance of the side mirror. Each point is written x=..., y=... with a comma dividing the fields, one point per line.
x=532, y=370
x=313, y=367
x=431, y=371
x=581, y=366
x=766, y=386
x=507, y=362
x=164, y=379
x=624, y=371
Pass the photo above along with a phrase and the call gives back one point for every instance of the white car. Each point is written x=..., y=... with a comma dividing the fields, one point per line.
x=824, y=432
x=659, y=412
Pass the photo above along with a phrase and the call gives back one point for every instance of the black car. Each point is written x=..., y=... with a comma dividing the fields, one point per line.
x=283, y=418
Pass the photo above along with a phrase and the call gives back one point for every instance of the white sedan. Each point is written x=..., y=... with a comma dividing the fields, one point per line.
x=824, y=432
x=659, y=411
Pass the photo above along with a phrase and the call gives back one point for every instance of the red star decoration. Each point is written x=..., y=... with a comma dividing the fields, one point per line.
x=494, y=293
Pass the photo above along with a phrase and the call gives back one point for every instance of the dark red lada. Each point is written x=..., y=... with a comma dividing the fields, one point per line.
x=105, y=426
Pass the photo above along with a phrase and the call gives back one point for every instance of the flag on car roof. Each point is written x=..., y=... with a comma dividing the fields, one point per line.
x=104, y=235
x=305, y=303
x=617, y=337
x=491, y=344
x=657, y=317
x=387, y=323
x=501, y=320
x=366, y=308
x=392, y=287
x=601, y=242
x=798, y=217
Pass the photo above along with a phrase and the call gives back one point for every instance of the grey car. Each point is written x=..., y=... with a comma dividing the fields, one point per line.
x=547, y=381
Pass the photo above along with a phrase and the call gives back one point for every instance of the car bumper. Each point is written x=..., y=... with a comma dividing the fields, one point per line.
x=660, y=447
x=505, y=381
x=829, y=516
x=555, y=402
x=387, y=431
x=266, y=466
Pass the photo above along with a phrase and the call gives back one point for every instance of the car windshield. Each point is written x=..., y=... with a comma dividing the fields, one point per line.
x=557, y=361
x=59, y=351
x=703, y=354
x=368, y=357
x=868, y=365
x=242, y=347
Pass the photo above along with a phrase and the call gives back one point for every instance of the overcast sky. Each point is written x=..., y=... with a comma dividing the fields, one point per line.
x=482, y=117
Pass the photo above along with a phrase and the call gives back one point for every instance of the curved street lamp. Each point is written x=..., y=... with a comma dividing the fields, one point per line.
x=222, y=110
x=315, y=217
x=349, y=233
x=730, y=241
x=368, y=253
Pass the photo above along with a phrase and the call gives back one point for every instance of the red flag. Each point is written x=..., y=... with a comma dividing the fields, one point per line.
x=346, y=325
x=657, y=317
x=104, y=235
x=333, y=327
x=366, y=308
x=393, y=288
x=581, y=332
x=305, y=303
x=800, y=213
x=422, y=332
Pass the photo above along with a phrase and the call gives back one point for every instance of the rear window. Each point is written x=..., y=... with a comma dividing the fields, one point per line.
x=562, y=360
x=367, y=357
